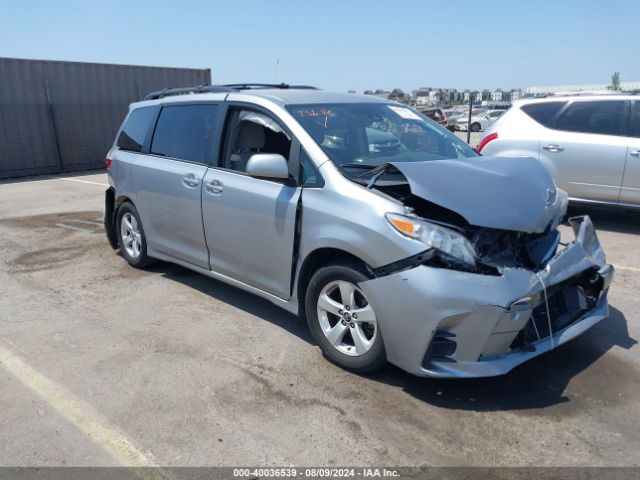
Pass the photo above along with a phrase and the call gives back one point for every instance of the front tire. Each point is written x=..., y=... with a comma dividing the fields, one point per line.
x=341, y=319
x=131, y=238
x=475, y=127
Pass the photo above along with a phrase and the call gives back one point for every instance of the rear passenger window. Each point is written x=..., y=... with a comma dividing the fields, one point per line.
x=543, y=112
x=184, y=132
x=603, y=117
x=135, y=129
x=636, y=120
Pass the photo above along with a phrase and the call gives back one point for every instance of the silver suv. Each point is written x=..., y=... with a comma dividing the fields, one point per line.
x=589, y=144
x=394, y=239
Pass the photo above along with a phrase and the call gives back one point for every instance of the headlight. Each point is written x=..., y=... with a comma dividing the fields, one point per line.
x=434, y=236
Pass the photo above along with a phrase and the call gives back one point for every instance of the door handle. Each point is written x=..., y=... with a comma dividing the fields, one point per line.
x=553, y=148
x=191, y=180
x=214, y=187
x=635, y=153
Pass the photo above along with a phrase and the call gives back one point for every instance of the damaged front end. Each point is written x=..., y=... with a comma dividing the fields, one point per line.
x=524, y=294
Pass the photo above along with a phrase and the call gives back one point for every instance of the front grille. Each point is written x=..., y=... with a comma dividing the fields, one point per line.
x=568, y=301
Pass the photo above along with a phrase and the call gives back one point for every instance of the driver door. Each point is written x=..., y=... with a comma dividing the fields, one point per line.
x=249, y=222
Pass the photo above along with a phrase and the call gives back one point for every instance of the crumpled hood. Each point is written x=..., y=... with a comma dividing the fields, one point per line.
x=494, y=192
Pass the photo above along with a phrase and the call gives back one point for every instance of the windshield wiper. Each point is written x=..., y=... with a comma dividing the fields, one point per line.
x=357, y=165
x=377, y=172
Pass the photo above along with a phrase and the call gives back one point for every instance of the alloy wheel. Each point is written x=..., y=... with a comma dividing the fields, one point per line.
x=346, y=318
x=131, y=236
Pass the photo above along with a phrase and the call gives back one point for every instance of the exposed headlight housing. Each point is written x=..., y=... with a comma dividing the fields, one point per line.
x=435, y=236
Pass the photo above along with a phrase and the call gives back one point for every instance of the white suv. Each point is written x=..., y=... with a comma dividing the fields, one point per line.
x=589, y=144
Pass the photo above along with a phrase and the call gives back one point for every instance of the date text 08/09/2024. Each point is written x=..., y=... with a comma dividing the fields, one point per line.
x=316, y=472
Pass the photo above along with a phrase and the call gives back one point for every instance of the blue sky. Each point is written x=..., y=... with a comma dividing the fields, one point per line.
x=341, y=45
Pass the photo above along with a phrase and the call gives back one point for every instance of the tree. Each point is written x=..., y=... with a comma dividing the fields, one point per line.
x=615, y=82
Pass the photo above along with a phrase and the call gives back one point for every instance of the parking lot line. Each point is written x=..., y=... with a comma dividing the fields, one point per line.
x=77, y=412
x=87, y=222
x=71, y=227
x=83, y=181
x=631, y=269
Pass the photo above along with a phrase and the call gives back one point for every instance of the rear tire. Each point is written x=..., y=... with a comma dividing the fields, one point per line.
x=475, y=127
x=341, y=319
x=131, y=238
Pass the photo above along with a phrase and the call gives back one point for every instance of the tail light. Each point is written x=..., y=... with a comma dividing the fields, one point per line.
x=487, y=139
x=107, y=162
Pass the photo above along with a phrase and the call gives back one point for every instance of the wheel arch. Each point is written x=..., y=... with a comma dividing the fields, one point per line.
x=119, y=201
x=112, y=205
x=319, y=258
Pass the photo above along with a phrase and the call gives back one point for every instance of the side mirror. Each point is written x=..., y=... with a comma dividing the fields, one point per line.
x=267, y=165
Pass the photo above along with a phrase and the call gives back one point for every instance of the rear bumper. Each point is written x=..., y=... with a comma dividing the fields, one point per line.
x=451, y=324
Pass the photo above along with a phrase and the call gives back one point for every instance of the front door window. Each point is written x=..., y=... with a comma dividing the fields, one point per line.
x=253, y=132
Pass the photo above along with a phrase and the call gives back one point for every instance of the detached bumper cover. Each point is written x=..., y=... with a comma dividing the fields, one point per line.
x=446, y=323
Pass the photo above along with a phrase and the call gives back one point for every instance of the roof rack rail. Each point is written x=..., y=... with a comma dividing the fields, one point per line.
x=250, y=86
x=169, y=92
x=233, y=87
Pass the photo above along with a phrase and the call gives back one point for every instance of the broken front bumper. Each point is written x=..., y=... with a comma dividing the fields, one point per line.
x=447, y=323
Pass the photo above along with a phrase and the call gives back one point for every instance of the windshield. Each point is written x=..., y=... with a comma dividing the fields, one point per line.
x=359, y=136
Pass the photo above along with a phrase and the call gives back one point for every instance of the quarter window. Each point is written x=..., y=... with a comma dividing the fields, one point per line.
x=543, y=112
x=636, y=119
x=135, y=129
x=602, y=117
x=309, y=173
x=184, y=132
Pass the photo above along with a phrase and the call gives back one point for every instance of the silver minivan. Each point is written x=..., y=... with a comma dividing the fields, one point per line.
x=394, y=239
x=590, y=144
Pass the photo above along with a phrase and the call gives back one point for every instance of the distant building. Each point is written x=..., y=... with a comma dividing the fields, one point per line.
x=496, y=95
x=436, y=96
x=422, y=96
x=474, y=95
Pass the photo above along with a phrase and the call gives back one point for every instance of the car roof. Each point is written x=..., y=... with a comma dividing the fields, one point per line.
x=584, y=97
x=280, y=96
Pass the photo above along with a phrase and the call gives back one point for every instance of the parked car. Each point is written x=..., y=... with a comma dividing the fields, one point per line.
x=589, y=144
x=426, y=255
x=436, y=114
x=453, y=116
x=479, y=121
x=379, y=141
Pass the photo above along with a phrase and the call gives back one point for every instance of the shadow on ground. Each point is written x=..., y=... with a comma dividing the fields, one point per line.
x=538, y=383
x=237, y=298
x=535, y=384
x=609, y=218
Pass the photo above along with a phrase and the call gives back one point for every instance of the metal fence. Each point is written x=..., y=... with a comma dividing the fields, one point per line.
x=468, y=121
x=475, y=119
x=62, y=116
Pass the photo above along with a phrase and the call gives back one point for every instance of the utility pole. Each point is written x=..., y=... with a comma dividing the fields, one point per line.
x=469, y=119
